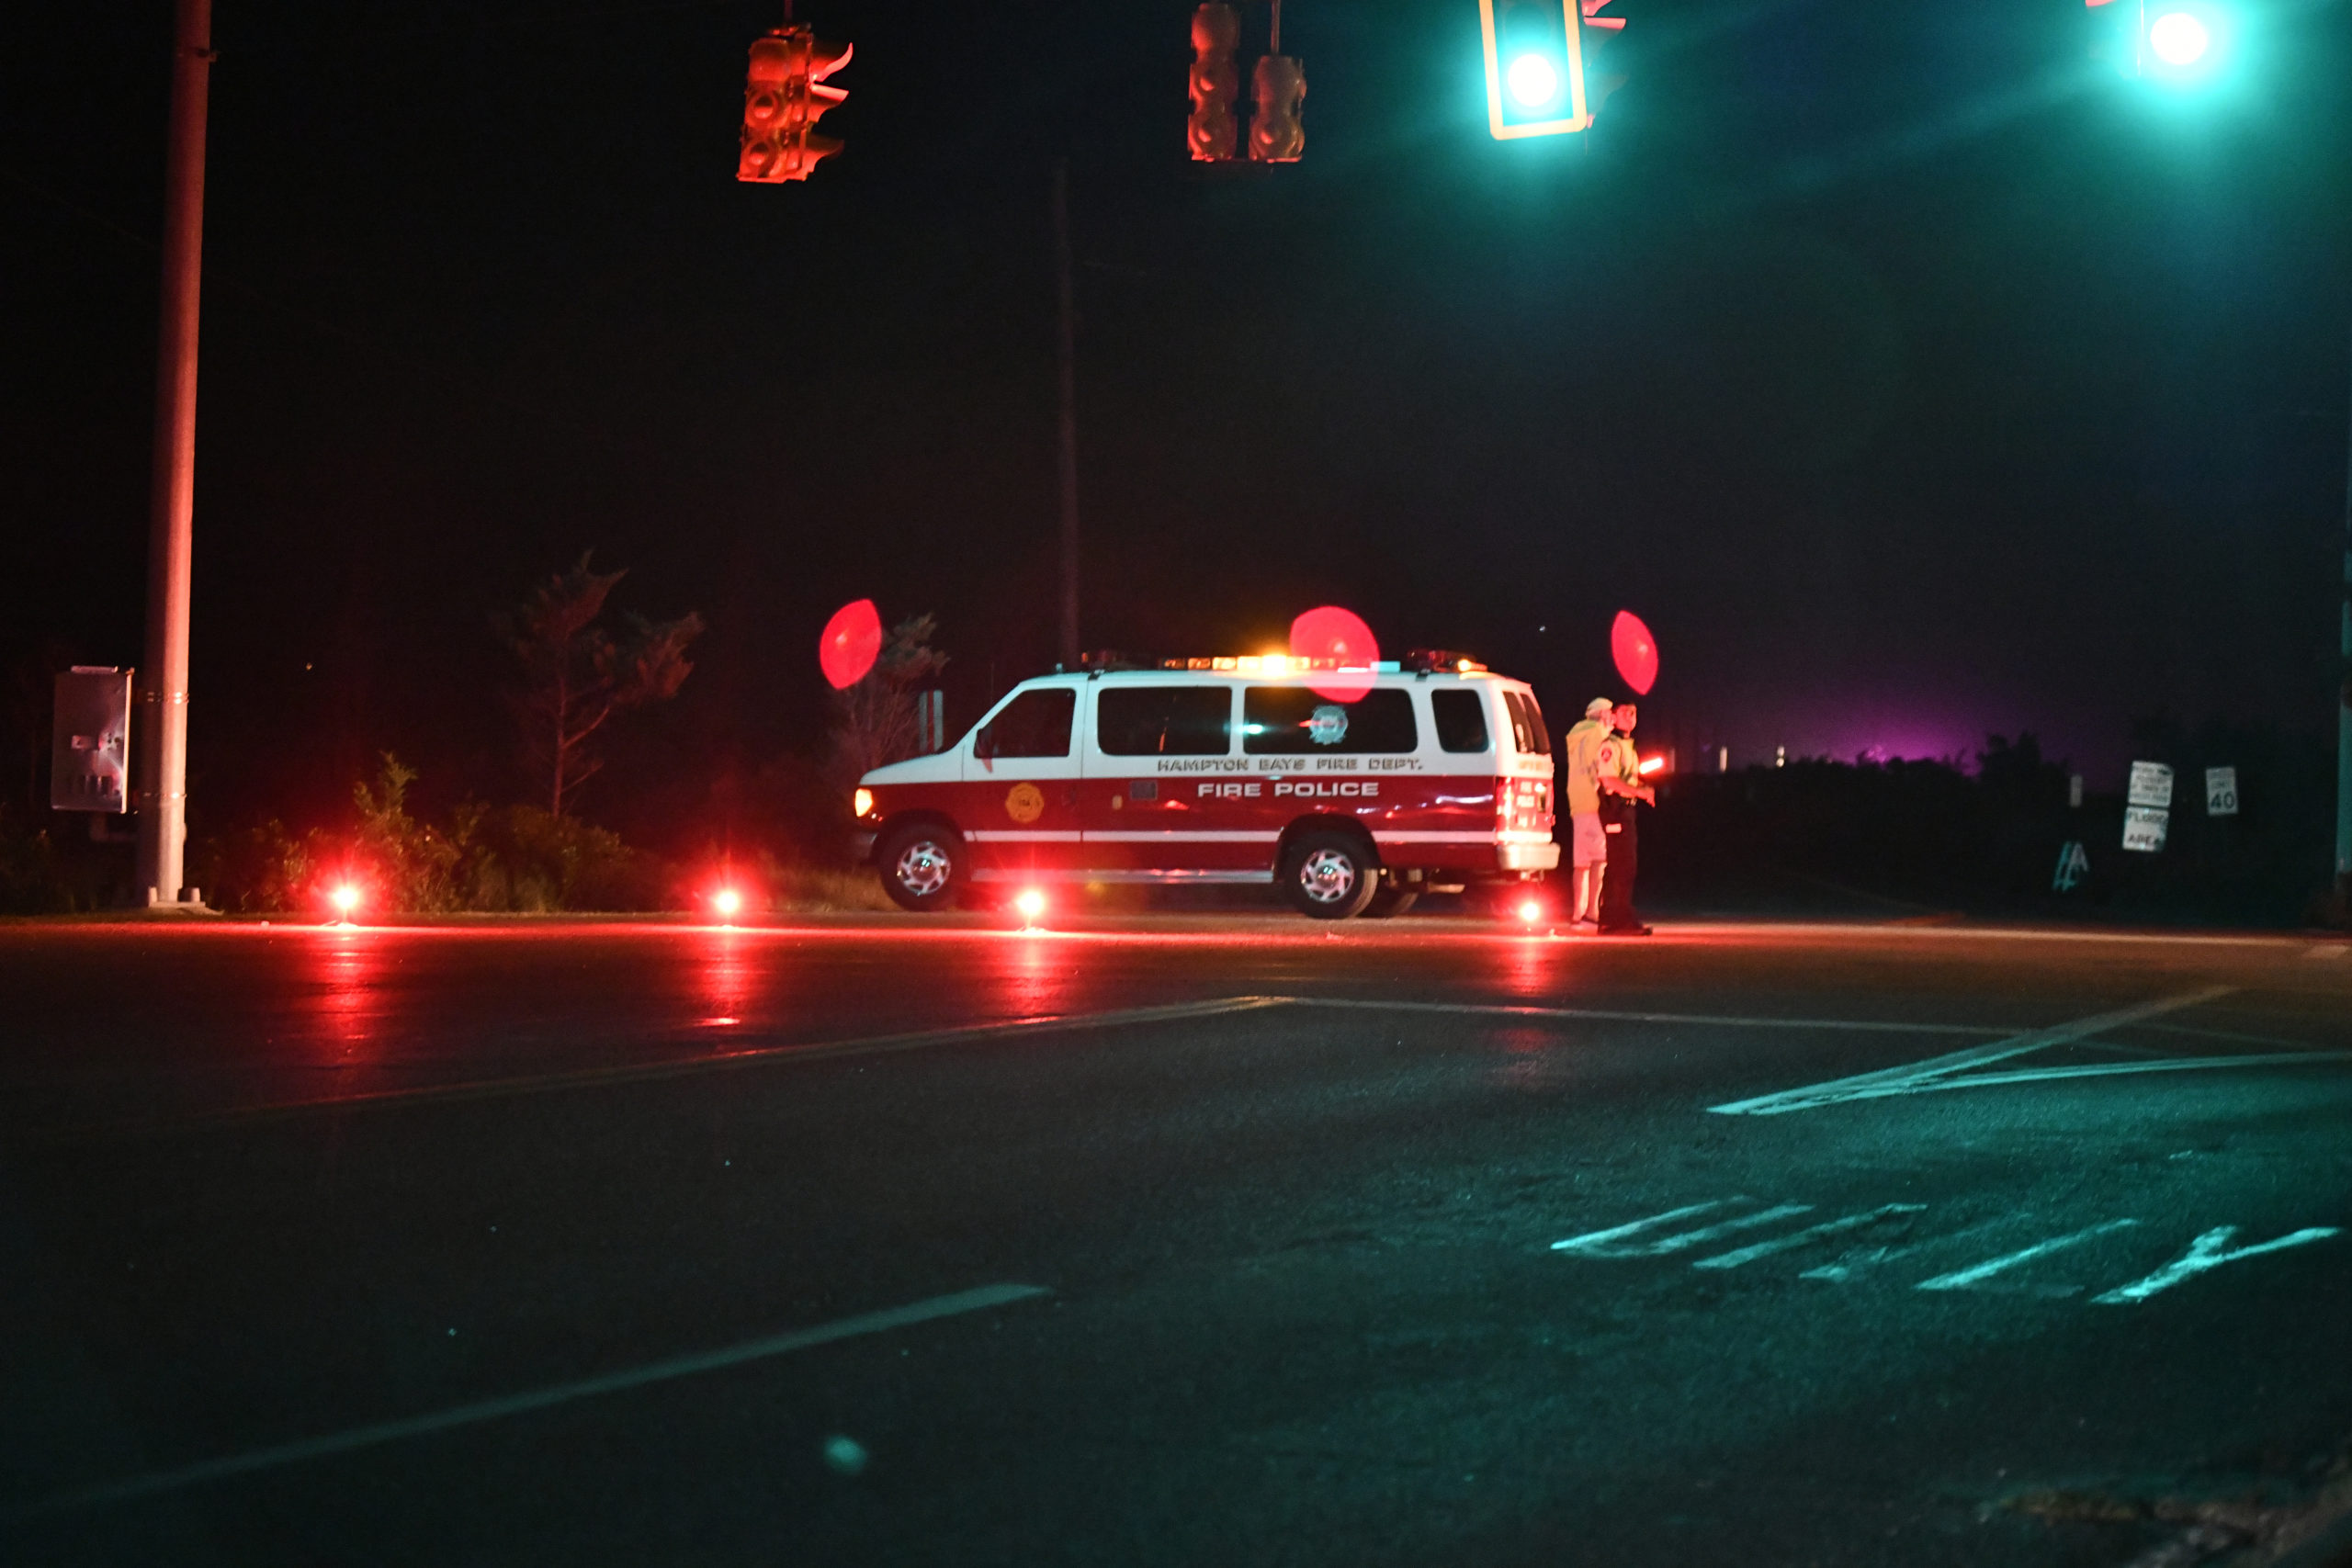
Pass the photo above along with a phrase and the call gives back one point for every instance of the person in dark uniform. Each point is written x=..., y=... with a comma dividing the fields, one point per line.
x=1622, y=794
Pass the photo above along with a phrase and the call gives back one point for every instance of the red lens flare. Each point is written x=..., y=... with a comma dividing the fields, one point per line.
x=345, y=896
x=1635, y=651
x=1029, y=903
x=728, y=902
x=1531, y=911
x=850, y=643
x=1329, y=632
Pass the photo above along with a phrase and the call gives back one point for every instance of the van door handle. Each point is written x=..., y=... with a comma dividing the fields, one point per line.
x=1069, y=795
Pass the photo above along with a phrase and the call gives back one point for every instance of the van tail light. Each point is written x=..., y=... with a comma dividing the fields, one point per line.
x=1524, y=804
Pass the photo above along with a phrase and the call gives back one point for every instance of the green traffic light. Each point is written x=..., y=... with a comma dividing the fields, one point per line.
x=2179, y=39
x=1533, y=81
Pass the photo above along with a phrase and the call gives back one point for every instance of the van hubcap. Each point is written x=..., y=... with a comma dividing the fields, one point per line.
x=1326, y=875
x=923, y=869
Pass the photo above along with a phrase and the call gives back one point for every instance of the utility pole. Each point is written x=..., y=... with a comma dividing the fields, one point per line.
x=163, y=794
x=2343, y=707
x=1066, y=354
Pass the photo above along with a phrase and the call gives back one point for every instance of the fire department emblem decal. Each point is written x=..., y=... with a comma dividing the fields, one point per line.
x=1327, y=726
x=1026, y=802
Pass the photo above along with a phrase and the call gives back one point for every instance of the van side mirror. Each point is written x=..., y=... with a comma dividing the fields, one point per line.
x=984, y=743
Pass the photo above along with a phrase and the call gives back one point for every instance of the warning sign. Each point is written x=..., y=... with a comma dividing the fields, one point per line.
x=2151, y=785
x=2144, y=828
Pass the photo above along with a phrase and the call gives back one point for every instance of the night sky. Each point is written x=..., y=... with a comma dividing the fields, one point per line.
x=1912, y=376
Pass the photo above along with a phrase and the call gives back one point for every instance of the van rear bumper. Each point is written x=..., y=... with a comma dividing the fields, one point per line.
x=1528, y=857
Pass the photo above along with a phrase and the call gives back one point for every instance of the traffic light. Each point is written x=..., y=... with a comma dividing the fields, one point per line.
x=1211, y=130
x=2166, y=41
x=1276, y=134
x=1535, y=84
x=783, y=97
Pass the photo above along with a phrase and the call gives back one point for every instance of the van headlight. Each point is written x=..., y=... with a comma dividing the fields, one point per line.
x=862, y=802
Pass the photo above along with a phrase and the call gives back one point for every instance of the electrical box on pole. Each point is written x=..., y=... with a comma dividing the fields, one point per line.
x=89, y=753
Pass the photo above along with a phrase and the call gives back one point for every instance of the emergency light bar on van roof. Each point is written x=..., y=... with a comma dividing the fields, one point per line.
x=1421, y=662
x=1274, y=664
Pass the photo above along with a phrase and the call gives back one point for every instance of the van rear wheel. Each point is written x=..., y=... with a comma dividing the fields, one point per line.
x=1330, y=876
x=922, y=866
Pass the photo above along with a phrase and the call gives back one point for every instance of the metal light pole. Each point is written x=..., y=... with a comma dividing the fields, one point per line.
x=1066, y=354
x=163, y=793
x=2344, y=712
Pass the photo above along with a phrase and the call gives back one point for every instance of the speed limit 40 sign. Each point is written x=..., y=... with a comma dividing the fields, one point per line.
x=2221, y=791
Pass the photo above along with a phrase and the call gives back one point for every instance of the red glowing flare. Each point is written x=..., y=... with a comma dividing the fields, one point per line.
x=345, y=898
x=1030, y=903
x=1653, y=764
x=1329, y=632
x=1530, y=911
x=728, y=902
x=1635, y=651
x=850, y=643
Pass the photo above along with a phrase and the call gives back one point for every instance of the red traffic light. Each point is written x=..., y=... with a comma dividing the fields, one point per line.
x=1211, y=130
x=782, y=97
x=850, y=644
x=1635, y=651
x=1329, y=632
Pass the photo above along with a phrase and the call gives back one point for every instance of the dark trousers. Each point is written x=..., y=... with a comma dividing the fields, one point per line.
x=1617, y=822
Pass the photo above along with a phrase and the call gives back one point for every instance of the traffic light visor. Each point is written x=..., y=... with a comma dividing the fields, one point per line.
x=1534, y=67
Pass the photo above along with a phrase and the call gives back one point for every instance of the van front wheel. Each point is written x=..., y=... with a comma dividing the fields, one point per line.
x=1330, y=876
x=922, y=866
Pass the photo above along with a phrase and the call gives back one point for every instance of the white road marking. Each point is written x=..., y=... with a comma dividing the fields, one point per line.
x=2206, y=1252
x=1753, y=931
x=1606, y=1015
x=561, y=1393
x=2327, y=949
x=1911, y=1079
x=1605, y=1243
x=1811, y=1233
x=1850, y=1263
x=1595, y=1241
x=2112, y=1069
x=1964, y=1278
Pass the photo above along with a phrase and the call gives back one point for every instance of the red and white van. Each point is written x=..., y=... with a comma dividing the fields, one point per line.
x=1229, y=771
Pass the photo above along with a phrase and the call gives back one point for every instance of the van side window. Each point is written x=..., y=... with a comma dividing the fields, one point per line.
x=1461, y=720
x=1527, y=735
x=1034, y=724
x=1164, y=721
x=1542, y=747
x=1284, y=720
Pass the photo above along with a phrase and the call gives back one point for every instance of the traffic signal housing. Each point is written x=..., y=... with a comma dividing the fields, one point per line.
x=782, y=97
x=1276, y=135
x=1213, y=130
x=2177, y=41
x=1535, y=84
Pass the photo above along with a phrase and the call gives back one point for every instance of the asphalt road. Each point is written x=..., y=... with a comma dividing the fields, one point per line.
x=1177, y=1240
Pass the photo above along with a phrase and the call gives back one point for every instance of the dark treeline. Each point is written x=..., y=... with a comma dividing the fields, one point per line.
x=1985, y=837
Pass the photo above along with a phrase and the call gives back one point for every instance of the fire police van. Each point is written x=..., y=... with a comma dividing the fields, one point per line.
x=1428, y=773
